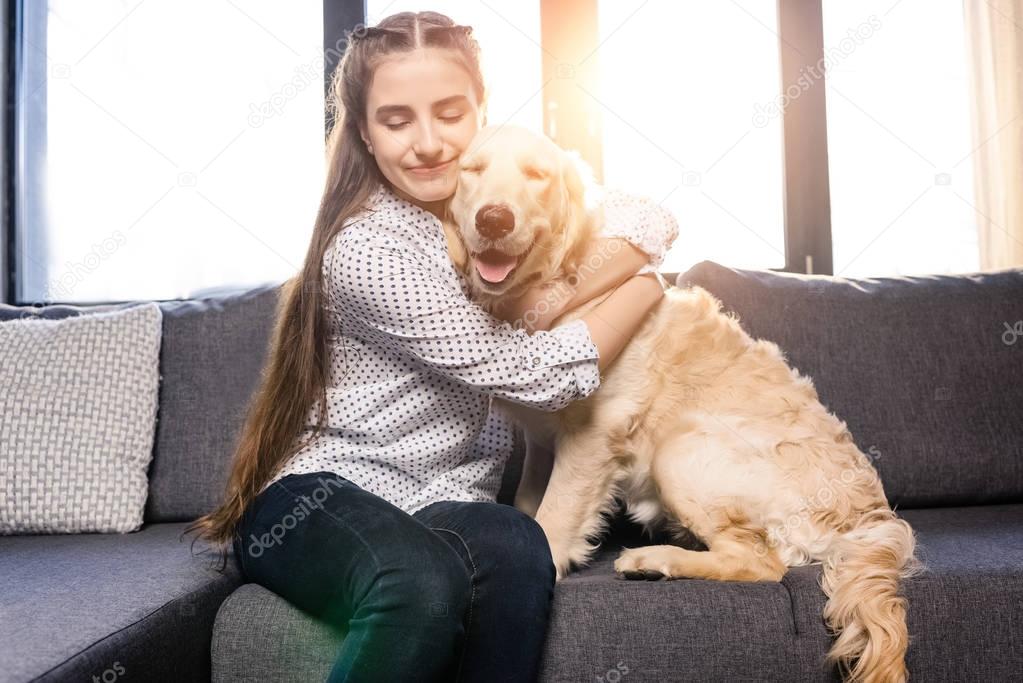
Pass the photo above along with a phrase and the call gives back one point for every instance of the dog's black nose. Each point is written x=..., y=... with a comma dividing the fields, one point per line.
x=494, y=221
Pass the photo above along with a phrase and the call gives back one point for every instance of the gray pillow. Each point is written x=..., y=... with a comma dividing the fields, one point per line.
x=78, y=402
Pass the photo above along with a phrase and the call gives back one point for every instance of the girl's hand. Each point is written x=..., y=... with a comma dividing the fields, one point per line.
x=536, y=308
x=617, y=260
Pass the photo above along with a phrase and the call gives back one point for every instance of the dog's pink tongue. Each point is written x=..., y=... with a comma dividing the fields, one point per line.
x=493, y=265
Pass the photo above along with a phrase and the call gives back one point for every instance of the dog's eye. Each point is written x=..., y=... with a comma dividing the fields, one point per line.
x=476, y=168
x=535, y=173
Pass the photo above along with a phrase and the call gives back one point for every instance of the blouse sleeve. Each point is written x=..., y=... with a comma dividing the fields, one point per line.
x=399, y=299
x=640, y=220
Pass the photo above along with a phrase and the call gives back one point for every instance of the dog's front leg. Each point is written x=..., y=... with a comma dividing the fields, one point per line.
x=578, y=494
x=536, y=470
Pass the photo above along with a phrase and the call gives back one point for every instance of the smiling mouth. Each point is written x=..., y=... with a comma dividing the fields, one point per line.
x=494, y=266
x=427, y=169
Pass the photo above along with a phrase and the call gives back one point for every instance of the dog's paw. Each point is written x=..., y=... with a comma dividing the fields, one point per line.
x=651, y=563
x=642, y=575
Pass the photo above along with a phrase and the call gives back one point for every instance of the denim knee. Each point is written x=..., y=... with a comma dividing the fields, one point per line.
x=524, y=546
x=431, y=583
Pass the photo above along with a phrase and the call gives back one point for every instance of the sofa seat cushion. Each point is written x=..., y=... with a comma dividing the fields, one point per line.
x=965, y=613
x=965, y=617
x=260, y=636
x=138, y=605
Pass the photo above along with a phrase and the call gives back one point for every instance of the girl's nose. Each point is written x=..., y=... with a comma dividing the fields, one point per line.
x=428, y=142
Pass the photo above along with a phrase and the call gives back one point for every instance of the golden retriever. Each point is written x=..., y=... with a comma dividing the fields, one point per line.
x=695, y=424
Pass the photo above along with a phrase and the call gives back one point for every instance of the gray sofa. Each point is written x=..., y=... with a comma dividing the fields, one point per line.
x=925, y=370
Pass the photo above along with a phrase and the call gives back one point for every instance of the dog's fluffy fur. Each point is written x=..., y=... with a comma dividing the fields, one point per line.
x=695, y=424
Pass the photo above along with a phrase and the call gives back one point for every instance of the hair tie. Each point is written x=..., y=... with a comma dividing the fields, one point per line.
x=363, y=32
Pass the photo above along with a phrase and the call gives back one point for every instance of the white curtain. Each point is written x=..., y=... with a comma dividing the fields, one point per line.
x=994, y=42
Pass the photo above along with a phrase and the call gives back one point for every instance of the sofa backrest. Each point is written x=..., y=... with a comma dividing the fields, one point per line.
x=926, y=371
x=921, y=369
x=212, y=355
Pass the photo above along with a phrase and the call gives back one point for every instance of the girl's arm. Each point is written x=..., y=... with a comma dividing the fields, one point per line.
x=616, y=261
x=386, y=290
x=635, y=236
x=614, y=321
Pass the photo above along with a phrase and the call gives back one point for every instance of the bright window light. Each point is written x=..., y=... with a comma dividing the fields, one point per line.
x=171, y=147
x=899, y=144
x=686, y=100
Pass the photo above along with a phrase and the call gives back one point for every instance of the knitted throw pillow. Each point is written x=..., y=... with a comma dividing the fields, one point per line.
x=78, y=400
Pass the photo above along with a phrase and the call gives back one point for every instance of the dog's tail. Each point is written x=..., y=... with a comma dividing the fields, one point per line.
x=861, y=577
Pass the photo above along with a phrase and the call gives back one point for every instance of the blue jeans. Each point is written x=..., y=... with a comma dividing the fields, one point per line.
x=456, y=592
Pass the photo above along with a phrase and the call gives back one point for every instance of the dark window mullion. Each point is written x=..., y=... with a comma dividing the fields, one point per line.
x=339, y=16
x=807, y=201
x=8, y=166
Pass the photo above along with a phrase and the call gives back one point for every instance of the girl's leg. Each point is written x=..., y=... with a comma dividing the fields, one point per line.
x=512, y=586
x=363, y=565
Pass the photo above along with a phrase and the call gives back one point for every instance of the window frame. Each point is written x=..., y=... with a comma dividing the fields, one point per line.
x=806, y=187
x=12, y=10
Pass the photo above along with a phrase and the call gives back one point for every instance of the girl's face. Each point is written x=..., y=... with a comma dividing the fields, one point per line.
x=421, y=113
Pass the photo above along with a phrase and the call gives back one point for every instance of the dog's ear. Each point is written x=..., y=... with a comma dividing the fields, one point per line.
x=577, y=180
x=578, y=200
x=456, y=249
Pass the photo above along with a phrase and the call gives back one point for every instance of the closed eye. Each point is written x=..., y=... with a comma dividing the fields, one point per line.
x=534, y=173
x=472, y=168
x=446, y=119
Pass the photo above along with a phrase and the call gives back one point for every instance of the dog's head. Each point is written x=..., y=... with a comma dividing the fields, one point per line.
x=524, y=209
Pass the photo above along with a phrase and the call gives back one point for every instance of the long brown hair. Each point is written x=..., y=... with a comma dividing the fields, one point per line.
x=296, y=371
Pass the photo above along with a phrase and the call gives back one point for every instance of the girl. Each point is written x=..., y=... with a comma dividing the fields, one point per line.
x=382, y=520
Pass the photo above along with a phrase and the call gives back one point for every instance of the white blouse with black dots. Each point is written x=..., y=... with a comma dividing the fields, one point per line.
x=415, y=362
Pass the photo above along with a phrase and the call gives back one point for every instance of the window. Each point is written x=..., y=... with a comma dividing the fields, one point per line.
x=686, y=95
x=899, y=138
x=168, y=147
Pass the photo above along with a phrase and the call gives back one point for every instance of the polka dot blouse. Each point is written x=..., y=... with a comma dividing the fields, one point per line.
x=415, y=362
